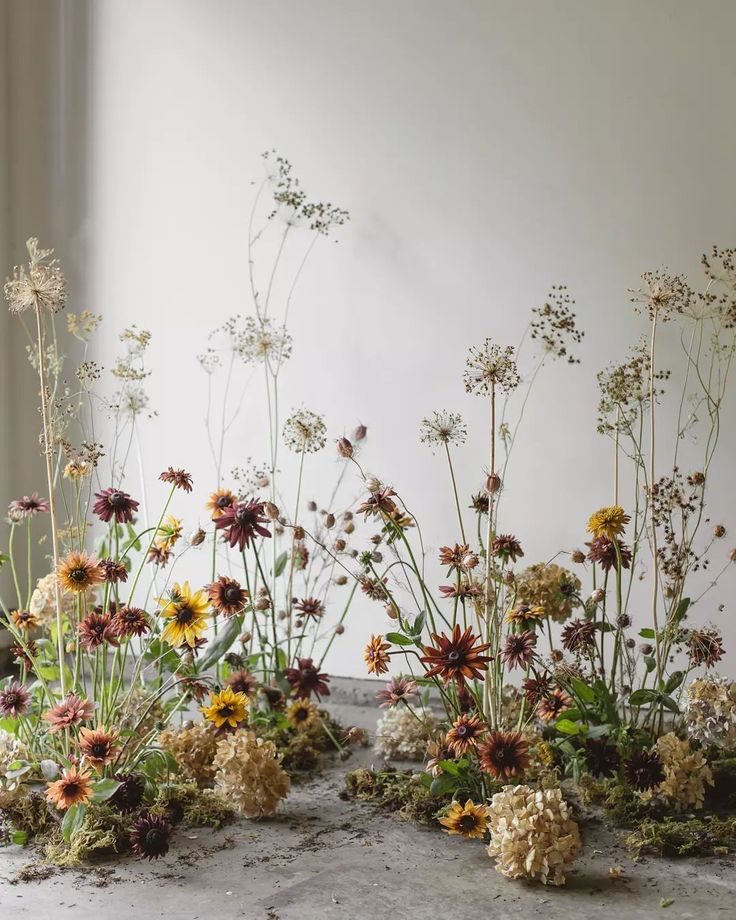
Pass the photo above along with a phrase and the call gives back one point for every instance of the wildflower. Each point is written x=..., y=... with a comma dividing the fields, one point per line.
x=553, y=705
x=403, y=735
x=114, y=503
x=149, y=836
x=462, y=590
x=705, y=646
x=24, y=620
x=249, y=774
x=71, y=711
x=186, y=612
x=480, y=503
x=242, y=681
x=380, y=501
x=227, y=596
x=262, y=341
x=643, y=770
x=518, y=650
x=537, y=687
x=74, y=788
x=242, y=521
x=129, y=794
x=302, y=714
x=468, y=820
x=219, y=501
x=180, y=479
x=603, y=551
x=525, y=616
x=506, y=547
x=226, y=708
x=114, y=572
x=304, y=432
x=456, y=657
x=14, y=700
x=39, y=285
x=130, y=621
x=464, y=734
x=79, y=572
x=311, y=608
x=601, y=758
x=98, y=745
x=306, y=679
x=375, y=655
x=399, y=690
x=490, y=367
x=96, y=629
x=608, y=522
x=373, y=588
x=168, y=534
x=532, y=834
x=504, y=755
x=28, y=506
x=579, y=636
x=443, y=428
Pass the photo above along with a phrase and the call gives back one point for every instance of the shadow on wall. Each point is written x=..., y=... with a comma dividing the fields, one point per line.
x=44, y=151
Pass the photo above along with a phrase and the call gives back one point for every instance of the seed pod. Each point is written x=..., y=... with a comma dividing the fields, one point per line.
x=493, y=483
x=329, y=521
x=345, y=448
x=341, y=580
x=360, y=432
x=272, y=512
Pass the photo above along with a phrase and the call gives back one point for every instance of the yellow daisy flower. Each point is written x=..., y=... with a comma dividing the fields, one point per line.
x=608, y=522
x=186, y=611
x=226, y=708
x=302, y=714
x=468, y=820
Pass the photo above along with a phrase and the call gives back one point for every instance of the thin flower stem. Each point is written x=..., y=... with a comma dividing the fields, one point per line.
x=454, y=492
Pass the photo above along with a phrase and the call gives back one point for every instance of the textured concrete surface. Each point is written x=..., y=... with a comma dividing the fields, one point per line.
x=325, y=858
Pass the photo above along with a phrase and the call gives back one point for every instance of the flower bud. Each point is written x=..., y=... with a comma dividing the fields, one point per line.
x=345, y=448
x=340, y=545
x=299, y=533
x=376, y=539
x=646, y=649
x=262, y=481
x=349, y=527
x=339, y=629
x=577, y=556
x=469, y=561
x=245, y=638
x=347, y=515
x=597, y=596
x=719, y=531
x=392, y=611
x=262, y=603
x=311, y=506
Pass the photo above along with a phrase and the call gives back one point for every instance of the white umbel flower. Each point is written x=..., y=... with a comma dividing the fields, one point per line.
x=401, y=736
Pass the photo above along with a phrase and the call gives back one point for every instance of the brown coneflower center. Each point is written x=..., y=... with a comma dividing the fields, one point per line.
x=454, y=657
x=71, y=789
x=184, y=615
x=467, y=823
x=78, y=575
x=99, y=749
x=232, y=595
x=462, y=730
x=223, y=502
x=225, y=712
x=116, y=499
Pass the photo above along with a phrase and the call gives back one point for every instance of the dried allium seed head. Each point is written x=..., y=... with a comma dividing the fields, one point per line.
x=392, y=611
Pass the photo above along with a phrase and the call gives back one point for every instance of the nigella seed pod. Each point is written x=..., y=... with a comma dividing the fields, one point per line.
x=340, y=545
x=271, y=510
x=198, y=537
x=373, y=484
x=392, y=611
x=245, y=638
x=493, y=483
x=341, y=580
x=339, y=629
x=577, y=556
x=262, y=604
x=345, y=448
x=329, y=521
x=349, y=527
x=376, y=557
x=732, y=555
x=311, y=506
x=360, y=432
x=299, y=533
x=719, y=531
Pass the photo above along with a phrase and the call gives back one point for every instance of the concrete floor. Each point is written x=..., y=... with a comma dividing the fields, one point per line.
x=325, y=858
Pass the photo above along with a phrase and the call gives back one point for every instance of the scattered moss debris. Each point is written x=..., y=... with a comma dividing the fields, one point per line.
x=402, y=793
x=103, y=832
x=33, y=872
x=684, y=837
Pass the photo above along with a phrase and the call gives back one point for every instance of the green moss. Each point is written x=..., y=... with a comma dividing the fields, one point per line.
x=29, y=812
x=684, y=837
x=301, y=749
x=401, y=793
x=187, y=804
x=103, y=832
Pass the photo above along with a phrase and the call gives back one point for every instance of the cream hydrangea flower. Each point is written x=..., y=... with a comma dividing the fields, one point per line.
x=532, y=834
x=249, y=774
x=686, y=774
x=11, y=749
x=43, y=600
x=710, y=711
x=193, y=746
x=401, y=736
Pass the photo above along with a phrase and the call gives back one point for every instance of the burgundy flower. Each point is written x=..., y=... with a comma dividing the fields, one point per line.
x=114, y=571
x=96, y=629
x=242, y=681
x=227, y=596
x=150, y=835
x=579, y=636
x=28, y=506
x=130, y=621
x=311, y=607
x=506, y=546
x=179, y=478
x=398, y=690
x=306, y=680
x=518, y=649
x=603, y=551
x=242, y=521
x=14, y=700
x=114, y=503
x=70, y=711
x=456, y=657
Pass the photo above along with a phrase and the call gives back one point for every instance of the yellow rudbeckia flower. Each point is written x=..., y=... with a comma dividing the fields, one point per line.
x=186, y=611
x=226, y=708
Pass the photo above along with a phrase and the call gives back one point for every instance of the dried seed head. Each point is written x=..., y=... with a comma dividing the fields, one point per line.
x=311, y=506
x=339, y=629
x=299, y=533
x=349, y=527
x=340, y=545
x=719, y=531
x=341, y=580
x=577, y=556
x=345, y=448
x=360, y=432
x=271, y=511
x=329, y=521
x=493, y=483
x=198, y=537
x=373, y=484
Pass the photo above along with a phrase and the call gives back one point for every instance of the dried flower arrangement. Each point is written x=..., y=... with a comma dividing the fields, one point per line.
x=541, y=684
x=112, y=649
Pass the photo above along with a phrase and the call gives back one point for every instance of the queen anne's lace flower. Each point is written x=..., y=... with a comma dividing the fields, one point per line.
x=401, y=736
x=532, y=834
x=194, y=747
x=686, y=774
x=710, y=711
x=249, y=774
x=304, y=432
x=40, y=284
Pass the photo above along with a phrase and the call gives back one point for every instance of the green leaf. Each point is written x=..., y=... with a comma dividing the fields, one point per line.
x=104, y=789
x=220, y=645
x=647, y=633
x=674, y=681
x=642, y=697
x=682, y=608
x=398, y=639
x=650, y=664
x=599, y=731
x=280, y=564
x=443, y=784
x=418, y=625
x=72, y=821
x=567, y=727
x=19, y=838
x=582, y=690
x=669, y=703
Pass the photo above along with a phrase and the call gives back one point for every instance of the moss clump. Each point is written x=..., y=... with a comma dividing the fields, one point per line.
x=186, y=803
x=621, y=805
x=103, y=832
x=29, y=812
x=402, y=793
x=684, y=837
x=301, y=748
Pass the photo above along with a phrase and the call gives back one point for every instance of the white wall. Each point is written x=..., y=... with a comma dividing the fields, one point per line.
x=486, y=150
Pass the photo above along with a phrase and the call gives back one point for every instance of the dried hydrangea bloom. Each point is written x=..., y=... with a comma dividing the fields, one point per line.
x=193, y=746
x=532, y=834
x=491, y=367
x=402, y=735
x=686, y=774
x=249, y=774
x=550, y=586
x=43, y=600
x=305, y=432
x=443, y=428
x=40, y=284
x=11, y=750
x=710, y=711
